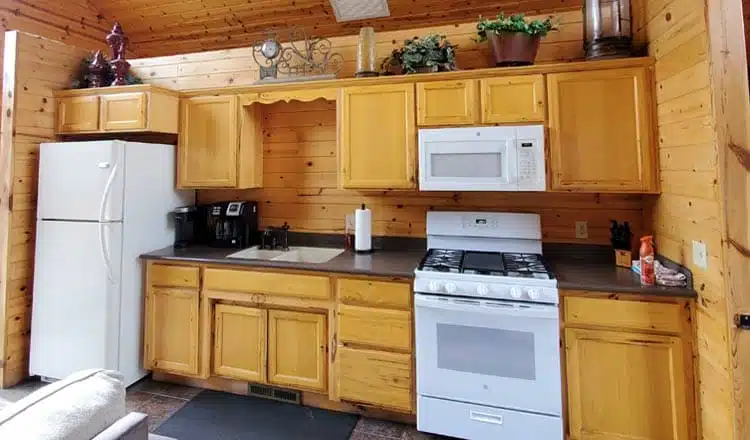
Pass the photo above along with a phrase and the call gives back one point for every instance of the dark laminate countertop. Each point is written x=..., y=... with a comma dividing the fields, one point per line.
x=379, y=263
x=590, y=274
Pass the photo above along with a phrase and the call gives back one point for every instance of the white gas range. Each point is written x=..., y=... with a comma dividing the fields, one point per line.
x=487, y=330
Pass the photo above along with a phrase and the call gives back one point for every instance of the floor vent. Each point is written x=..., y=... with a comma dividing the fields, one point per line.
x=267, y=392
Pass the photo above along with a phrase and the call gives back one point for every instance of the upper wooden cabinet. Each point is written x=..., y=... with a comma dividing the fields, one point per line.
x=297, y=349
x=139, y=108
x=601, y=131
x=447, y=103
x=510, y=99
x=220, y=144
x=378, y=137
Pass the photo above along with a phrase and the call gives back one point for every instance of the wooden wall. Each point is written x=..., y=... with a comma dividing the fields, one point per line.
x=300, y=187
x=34, y=67
x=690, y=204
x=236, y=66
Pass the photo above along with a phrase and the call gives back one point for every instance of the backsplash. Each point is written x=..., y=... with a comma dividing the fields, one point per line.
x=301, y=188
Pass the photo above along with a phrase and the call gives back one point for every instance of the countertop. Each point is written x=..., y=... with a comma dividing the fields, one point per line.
x=572, y=273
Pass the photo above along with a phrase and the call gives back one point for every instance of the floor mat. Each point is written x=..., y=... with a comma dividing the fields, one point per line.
x=221, y=416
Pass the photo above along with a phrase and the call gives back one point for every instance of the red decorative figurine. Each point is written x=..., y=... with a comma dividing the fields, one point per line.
x=117, y=41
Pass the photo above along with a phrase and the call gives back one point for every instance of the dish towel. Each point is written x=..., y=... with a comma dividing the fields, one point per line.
x=664, y=275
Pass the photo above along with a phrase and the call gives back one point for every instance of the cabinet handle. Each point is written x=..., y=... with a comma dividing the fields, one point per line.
x=334, y=349
x=486, y=418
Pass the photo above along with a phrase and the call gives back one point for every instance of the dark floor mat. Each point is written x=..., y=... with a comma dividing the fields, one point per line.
x=212, y=415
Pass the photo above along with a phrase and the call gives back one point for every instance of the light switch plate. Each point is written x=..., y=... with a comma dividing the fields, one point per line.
x=700, y=254
x=582, y=230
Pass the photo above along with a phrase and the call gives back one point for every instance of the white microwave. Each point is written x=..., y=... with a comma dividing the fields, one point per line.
x=509, y=158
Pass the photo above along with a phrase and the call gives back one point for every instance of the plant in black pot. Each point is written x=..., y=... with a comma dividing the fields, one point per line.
x=513, y=40
x=432, y=53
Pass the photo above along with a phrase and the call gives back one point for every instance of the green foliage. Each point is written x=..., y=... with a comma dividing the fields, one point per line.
x=432, y=51
x=81, y=80
x=513, y=23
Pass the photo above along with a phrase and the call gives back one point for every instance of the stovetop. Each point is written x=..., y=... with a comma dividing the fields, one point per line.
x=505, y=264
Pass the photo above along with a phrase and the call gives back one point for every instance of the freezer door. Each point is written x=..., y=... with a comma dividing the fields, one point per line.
x=75, y=311
x=81, y=181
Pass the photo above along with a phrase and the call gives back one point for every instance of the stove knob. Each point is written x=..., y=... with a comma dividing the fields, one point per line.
x=450, y=288
x=534, y=294
x=515, y=293
x=433, y=286
x=483, y=290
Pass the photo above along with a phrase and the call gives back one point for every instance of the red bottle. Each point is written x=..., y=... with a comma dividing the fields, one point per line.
x=648, y=277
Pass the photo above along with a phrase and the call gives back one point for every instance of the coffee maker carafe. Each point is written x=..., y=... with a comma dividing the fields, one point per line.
x=230, y=224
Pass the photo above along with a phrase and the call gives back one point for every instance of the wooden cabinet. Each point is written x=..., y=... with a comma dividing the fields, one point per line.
x=628, y=369
x=138, y=108
x=375, y=377
x=447, y=103
x=123, y=112
x=220, y=144
x=297, y=349
x=600, y=131
x=171, y=333
x=77, y=113
x=240, y=342
x=510, y=99
x=388, y=329
x=378, y=137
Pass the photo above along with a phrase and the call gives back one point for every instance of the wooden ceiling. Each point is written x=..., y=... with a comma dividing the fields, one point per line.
x=169, y=27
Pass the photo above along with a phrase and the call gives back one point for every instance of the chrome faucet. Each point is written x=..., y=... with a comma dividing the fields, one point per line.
x=276, y=237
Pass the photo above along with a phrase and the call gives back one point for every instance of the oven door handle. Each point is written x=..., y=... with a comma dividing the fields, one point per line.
x=486, y=307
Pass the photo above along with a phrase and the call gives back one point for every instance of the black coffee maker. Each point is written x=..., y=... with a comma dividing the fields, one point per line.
x=228, y=224
x=185, y=226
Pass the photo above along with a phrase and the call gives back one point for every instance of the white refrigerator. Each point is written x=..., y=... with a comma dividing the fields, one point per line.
x=100, y=205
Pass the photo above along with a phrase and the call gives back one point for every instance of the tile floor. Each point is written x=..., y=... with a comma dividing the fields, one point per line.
x=160, y=400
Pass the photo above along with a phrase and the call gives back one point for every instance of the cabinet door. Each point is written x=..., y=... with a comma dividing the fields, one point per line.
x=240, y=342
x=209, y=138
x=512, y=99
x=297, y=349
x=171, y=339
x=600, y=131
x=378, y=137
x=77, y=114
x=447, y=103
x=375, y=377
x=123, y=112
x=625, y=386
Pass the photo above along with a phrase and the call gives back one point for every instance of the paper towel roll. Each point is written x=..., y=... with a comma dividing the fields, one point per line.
x=363, y=230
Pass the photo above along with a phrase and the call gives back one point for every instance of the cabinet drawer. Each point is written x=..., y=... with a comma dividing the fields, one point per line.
x=633, y=315
x=270, y=283
x=173, y=276
x=375, y=293
x=374, y=377
x=375, y=327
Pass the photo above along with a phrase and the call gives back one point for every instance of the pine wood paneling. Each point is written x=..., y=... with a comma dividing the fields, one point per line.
x=34, y=67
x=301, y=187
x=235, y=67
x=169, y=27
x=690, y=205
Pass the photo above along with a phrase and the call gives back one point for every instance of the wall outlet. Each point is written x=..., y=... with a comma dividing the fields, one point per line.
x=582, y=230
x=700, y=254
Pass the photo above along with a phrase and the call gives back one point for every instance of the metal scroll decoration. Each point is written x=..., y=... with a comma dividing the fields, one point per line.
x=303, y=58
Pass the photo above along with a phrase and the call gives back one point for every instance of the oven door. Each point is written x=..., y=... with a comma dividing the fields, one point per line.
x=493, y=353
x=478, y=159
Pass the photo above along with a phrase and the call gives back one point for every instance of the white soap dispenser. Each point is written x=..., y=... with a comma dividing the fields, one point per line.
x=363, y=230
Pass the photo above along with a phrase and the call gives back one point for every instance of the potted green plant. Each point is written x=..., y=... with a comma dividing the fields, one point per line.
x=513, y=40
x=432, y=53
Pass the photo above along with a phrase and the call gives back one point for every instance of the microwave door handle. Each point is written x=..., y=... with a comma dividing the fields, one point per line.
x=485, y=307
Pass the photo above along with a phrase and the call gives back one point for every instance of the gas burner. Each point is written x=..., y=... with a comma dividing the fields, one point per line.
x=442, y=260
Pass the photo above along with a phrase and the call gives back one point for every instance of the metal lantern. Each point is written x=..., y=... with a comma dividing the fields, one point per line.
x=607, y=33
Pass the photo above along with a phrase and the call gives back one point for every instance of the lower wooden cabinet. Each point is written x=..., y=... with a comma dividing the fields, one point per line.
x=240, y=342
x=375, y=377
x=297, y=349
x=171, y=336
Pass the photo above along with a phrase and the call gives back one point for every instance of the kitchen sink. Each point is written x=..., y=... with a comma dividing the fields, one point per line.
x=312, y=255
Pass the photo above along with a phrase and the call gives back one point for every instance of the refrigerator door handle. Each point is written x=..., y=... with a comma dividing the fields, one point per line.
x=105, y=252
x=105, y=196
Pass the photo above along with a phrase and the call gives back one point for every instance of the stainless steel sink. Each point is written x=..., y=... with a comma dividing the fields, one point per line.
x=311, y=255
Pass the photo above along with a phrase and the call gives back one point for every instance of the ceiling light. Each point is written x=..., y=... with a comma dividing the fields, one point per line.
x=351, y=10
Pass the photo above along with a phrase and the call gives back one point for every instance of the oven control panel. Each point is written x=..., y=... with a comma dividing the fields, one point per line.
x=496, y=290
